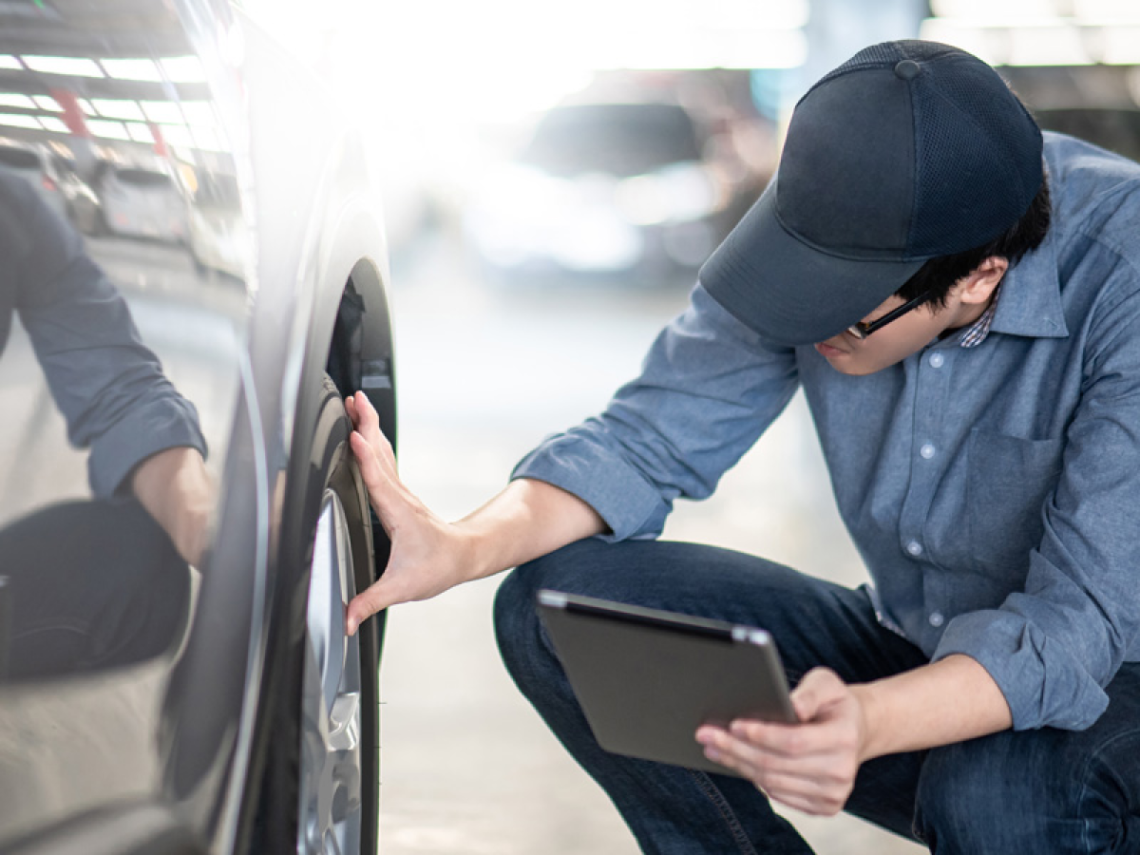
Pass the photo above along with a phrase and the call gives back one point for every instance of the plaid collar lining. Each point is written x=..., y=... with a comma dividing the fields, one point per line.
x=976, y=333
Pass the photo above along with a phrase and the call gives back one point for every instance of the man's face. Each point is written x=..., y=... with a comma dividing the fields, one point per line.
x=898, y=339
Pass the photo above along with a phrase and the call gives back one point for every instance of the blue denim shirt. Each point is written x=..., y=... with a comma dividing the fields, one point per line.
x=107, y=384
x=993, y=491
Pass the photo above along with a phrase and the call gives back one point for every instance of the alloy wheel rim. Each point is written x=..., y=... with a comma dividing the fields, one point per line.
x=330, y=818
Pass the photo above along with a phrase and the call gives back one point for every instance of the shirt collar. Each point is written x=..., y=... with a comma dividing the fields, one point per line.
x=1031, y=297
x=1030, y=302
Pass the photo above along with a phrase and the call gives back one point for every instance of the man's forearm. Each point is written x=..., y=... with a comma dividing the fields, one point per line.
x=948, y=701
x=526, y=520
x=176, y=491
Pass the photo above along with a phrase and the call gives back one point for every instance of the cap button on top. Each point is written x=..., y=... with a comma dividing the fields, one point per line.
x=907, y=69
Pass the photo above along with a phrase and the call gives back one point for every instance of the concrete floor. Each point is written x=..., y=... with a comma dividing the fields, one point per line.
x=468, y=768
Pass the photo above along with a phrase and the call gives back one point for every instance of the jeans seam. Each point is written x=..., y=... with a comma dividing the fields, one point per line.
x=743, y=844
x=1086, y=775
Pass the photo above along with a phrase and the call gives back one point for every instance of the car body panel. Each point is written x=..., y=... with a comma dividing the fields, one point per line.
x=168, y=742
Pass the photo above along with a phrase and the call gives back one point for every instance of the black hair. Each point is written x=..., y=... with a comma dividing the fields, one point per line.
x=938, y=275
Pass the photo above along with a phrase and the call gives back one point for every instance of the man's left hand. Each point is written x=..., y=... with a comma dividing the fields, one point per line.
x=809, y=766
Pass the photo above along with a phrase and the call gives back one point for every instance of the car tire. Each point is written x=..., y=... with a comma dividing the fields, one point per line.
x=320, y=786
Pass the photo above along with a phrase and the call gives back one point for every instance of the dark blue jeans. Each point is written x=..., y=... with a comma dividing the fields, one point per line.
x=1045, y=791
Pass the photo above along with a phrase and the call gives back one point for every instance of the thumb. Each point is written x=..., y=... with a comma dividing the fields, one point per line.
x=364, y=605
x=819, y=688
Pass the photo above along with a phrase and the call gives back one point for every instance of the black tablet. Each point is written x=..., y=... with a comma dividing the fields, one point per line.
x=647, y=679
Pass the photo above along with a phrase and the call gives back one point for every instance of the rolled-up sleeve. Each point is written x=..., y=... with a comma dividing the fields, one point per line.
x=708, y=388
x=108, y=385
x=1054, y=646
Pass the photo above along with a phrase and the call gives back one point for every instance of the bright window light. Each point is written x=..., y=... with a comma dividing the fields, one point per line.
x=177, y=135
x=1058, y=45
x=56, y=126
x=199, y=113
x=140, y=132
x=87, y=107
x=7, y=61
x=15, y=99
x=46, y=102
x=183, y=69
x=16, y=120
x=206, y=140
x=132, y=69
x=987, y=10
x=73, y=66
x=162, y=111
x=1119, y=11
x=108, y=130
x=115, y=108
x=1120, y=46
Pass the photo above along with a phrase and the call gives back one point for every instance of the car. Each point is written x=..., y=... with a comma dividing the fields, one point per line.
x=32, y=163
x=81, y=203
x=140, y=201
x=216, y=226
x=1096, y=103
x=175, y=677
x=609, y=188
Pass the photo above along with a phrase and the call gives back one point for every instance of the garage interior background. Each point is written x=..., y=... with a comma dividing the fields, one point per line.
x=538, y=241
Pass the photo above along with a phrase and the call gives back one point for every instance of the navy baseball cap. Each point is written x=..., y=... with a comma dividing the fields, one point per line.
x=909, y=151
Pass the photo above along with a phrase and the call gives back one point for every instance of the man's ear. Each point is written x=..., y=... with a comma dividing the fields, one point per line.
x=979, y=285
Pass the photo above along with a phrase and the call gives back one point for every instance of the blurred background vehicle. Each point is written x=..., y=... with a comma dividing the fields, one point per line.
x=31, y=162
x=81, y=202
x=140, y=201
x=640, y=190
x=215, y=224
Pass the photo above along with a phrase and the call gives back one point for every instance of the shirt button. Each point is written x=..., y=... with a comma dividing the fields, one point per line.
x=927, y=451
x=914, y=547
x=936, y=360
x=936, y=619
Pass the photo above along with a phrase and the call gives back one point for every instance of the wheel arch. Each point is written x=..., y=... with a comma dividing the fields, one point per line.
x=341, y=326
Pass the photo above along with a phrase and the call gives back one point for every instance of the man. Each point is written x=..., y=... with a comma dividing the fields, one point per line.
x=970, y=351
x=95, y=583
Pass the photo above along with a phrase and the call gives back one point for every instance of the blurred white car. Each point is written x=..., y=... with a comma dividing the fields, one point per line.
x=217, y=232
x=606, y=188
x=137, y=201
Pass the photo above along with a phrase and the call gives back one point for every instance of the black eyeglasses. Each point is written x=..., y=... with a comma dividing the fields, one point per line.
x=862, y=329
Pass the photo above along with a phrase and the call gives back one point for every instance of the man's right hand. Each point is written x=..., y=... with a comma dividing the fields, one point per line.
x=526, y=520
x=428, y=555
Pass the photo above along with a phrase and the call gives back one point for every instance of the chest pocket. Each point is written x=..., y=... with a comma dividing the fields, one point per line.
x=1009, y=479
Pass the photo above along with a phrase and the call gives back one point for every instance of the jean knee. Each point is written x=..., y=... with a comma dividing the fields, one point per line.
x=514, y=611
x=958, y=802
x=1010, y=792
x=522, y=641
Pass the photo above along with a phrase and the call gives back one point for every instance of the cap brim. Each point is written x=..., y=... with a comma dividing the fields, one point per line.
x=789, y=292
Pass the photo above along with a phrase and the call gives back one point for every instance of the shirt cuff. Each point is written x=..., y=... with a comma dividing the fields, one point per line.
x=629, y=504
x=170, y=422
x=1043, y=682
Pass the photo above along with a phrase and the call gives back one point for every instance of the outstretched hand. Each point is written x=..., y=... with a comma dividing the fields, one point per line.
x=428, y=555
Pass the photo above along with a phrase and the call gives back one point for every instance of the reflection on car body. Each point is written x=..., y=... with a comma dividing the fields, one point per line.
x=138, y=201
x=163, y=691
x=31, y=163
x=216, y=225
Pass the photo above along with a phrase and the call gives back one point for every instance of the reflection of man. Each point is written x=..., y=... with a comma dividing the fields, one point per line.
x=971, y=355
x=144, y=436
